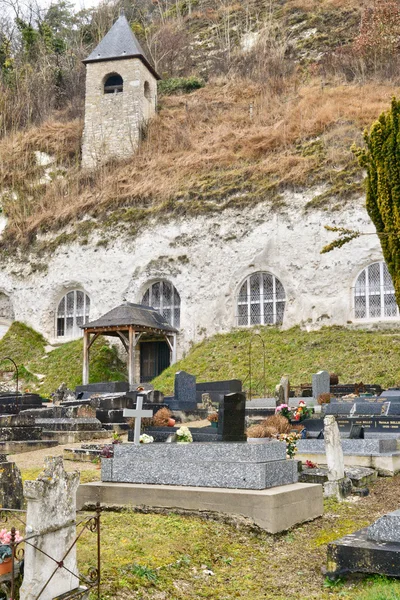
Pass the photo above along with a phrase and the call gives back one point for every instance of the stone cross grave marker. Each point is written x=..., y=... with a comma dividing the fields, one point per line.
x=337, y=485
x=279, y=394
x=285, y=383
x=139, y=414
x=51, y=514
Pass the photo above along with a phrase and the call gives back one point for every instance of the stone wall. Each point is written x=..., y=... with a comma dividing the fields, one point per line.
x=207, y=258
x=113, y=121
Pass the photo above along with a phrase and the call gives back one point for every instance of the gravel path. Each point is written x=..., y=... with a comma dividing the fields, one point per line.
x=35, y=459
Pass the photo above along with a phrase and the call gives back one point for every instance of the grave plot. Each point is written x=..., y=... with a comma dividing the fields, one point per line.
x=21, y=433
x=374, y=549
x=254, y=480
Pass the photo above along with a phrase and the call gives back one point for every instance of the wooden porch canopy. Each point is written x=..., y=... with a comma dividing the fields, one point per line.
x=128, y=322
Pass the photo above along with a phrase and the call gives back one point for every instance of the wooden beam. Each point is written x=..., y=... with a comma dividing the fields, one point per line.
x=124, y=341
x=85, y=373
x=171, y=341
x=94, y=338
x=131, y=357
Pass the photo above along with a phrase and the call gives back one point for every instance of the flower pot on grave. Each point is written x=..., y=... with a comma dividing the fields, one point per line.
x=214, y=424
x=6, y=566
x=171, y=422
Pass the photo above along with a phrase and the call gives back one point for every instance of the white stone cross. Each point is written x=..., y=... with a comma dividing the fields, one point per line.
x=139, y=414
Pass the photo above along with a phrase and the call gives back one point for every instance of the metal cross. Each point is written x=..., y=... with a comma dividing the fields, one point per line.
x=139, y=414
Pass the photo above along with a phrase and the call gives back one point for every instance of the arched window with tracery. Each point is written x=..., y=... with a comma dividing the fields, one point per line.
x=374, y=296
x=113, y=84
x=72, y=311
x=164, y=297
x=261, y=300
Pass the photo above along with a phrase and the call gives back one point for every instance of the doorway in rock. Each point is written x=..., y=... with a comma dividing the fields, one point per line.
x=154, y=358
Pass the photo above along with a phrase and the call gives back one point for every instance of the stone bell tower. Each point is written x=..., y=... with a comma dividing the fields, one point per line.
x=121, y=95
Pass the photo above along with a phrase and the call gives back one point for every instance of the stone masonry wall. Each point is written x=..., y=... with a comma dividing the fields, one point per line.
x=113, y=121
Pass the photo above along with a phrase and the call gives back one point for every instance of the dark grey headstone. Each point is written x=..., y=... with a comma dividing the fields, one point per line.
x=104, y=387
x=228, y=386
x=185, y=388
x=338, y=408
x=392, y=408
x=231, y=417
x=367, y=408
x=356, y=432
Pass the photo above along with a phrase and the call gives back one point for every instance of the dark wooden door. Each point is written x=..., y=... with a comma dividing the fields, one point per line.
x=154, y=358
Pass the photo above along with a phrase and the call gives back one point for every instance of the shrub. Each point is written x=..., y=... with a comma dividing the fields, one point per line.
x=281, y=424
x=180, y=85
x=256, y=431
x=324, y=398
x=213, y=417
x=161, y=417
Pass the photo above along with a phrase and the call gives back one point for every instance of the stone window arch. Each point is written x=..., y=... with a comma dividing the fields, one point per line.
x=261, y=300
x=72, y=311
x=374, y=296
x=113, y=84
x=147, y=91
x=164, y=297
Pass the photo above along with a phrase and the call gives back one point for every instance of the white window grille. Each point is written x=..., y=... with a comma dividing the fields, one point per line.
x=374, y=296
x=261, y=301
x=73, y=311
x=163, y=296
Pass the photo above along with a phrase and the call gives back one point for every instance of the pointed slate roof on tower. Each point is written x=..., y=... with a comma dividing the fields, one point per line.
x=119, y=43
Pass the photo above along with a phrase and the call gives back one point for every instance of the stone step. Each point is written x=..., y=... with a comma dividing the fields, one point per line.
x=65, y=424
x=356, y=446
x=20, y=433
x=18, y=447
x=73, y=437
x=360, y=476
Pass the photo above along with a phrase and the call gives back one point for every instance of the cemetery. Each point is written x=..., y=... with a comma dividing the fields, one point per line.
x=209, y=404
x=213, y=460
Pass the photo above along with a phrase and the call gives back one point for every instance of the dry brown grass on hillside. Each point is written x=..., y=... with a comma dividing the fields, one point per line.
x=204, y=152
x=17, y=161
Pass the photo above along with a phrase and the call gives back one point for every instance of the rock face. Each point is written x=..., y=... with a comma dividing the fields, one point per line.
x=51, y=513
x=192, y=253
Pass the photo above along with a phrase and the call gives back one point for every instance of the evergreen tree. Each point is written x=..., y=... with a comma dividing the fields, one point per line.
x=381, y=158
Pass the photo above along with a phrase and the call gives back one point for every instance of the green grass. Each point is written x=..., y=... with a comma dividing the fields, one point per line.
x=154, y=556
x=151, y=556
x=27, y=348
x=65, y=364
x=355, y=355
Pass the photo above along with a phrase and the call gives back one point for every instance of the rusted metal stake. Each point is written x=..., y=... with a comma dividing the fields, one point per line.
x=12, y=544
x=98, y=512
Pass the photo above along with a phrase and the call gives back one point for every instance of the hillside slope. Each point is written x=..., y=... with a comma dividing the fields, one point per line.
x=294, y=92
x=355, y=355
x=43, y=371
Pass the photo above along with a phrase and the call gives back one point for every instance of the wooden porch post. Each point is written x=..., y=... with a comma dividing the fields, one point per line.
x=131, y=356
x=85, y=373
x=171, y=341
x=173, y=357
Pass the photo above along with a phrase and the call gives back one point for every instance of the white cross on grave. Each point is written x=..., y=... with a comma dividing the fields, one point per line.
x=139, y=414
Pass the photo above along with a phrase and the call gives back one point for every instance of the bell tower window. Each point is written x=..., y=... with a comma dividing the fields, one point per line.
x=113, y=84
